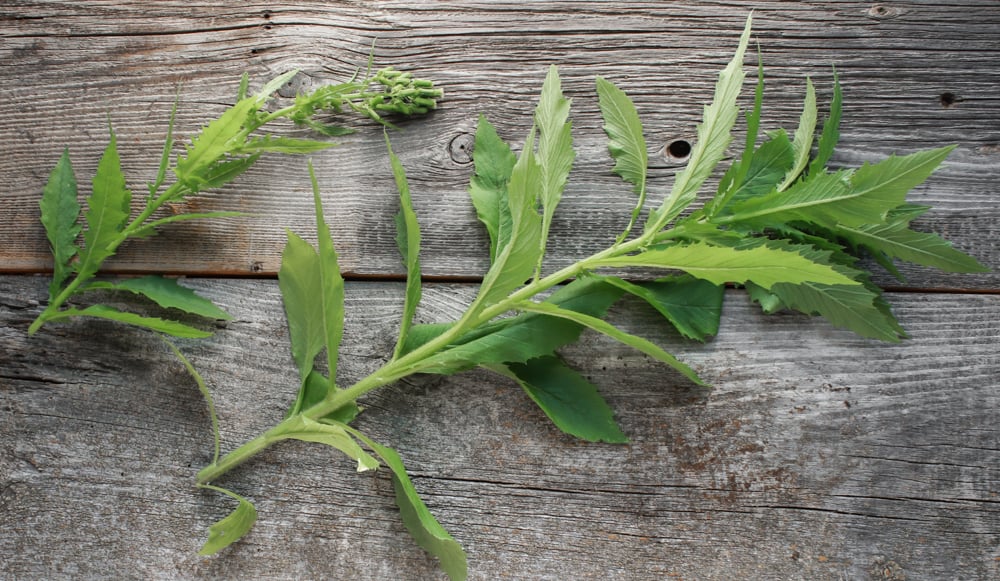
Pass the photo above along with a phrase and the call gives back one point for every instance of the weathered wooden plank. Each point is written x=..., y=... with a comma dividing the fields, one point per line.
x=818, y=455
x=67, y=65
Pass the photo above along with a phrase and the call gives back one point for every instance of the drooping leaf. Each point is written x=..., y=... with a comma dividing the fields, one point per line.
x=172, y=328
x=231, y=528
x=331, y=285
x=205, y=393
x=605, y=328
x=423, y=527
x=761, y=264
x=108, y=209
x=59, y=214
x=625, y=142
x=331, y=434
x=831, y=131
x=802, y=143
x=408, y=240
x=555, y=149
x=167, y=293
x=692, y=305
x=713, y=139
x=494, y=163
x=567, y=398
x=299, y=281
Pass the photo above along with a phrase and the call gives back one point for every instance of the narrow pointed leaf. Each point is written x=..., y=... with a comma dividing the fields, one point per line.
x=802, y=143
x=408, y=240
x=167, y=293
x=108, y=211
x=220, y=173
x=857, y=308
x=494, y=163
x=831, y=131
x=168, y=146
x=172, y=328
x=232, y=527
x=605, y=328
x=59, y=214
x=761, y=264
x=625, y=142
x=213, y=142
x=567, y=398
x=898, y=241
x=692, y=305
x=275, y=144
x=149, y=228
x=555, y=148
x=714, y=135
x=423, y=527
x=331, y=298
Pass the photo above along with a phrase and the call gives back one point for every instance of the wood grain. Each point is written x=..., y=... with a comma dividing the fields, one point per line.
x=67, y=66
x=817, y=455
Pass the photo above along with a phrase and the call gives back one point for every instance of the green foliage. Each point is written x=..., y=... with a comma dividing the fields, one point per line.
x=220, y=152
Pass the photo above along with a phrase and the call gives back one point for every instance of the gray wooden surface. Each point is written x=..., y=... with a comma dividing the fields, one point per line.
x=818, y=455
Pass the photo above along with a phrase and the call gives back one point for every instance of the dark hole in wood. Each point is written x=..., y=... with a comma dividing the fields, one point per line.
x=948, y=99
x=678, y=149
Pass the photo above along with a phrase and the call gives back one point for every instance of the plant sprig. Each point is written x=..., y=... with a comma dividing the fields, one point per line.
x=780, y=224
x=223, y=149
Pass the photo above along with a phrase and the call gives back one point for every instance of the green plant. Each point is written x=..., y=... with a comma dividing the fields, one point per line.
x=780, y=223
x=222, y=150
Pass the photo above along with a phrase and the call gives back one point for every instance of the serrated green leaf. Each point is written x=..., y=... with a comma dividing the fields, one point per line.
x=299, y=281
x=768, y=165
x=423, y=527
x=605, y=328
x=555, y=150
x=331, y=297
x=172, y=328
x=231, y=528
x=693, y=306
x=331, y=434
x=494, y=163
x=768, y=301
x=516, y=262
x=167, y=293
x=714, y=135
x=108, y=209
x=215, y=141
x=829, y=199
x=567, y=398
x=857, y=308
x=408, y=240
x=720, y=265
x=221, y=173
x=518, y=339
x=898, y=241
x=59, y=214
x=168, y=146
x=802, y=143
x=831, y=131
x=275, y=144
x=625, y=142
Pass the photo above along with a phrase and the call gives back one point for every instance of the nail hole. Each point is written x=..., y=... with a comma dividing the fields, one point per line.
x=678, y=150
x=948, y=99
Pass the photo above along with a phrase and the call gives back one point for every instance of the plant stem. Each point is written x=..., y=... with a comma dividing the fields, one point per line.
x=409, y=363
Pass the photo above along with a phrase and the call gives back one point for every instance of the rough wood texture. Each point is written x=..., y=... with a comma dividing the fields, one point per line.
x=818, y=455
x=66, y=66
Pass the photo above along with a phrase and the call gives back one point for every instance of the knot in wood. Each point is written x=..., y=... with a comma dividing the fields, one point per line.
x=460, y=148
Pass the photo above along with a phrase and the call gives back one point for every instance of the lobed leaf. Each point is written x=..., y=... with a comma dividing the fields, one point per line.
x=713, y=139
x=167, y=293
x=108, y=211
x=59, y=214
x=567, y=398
